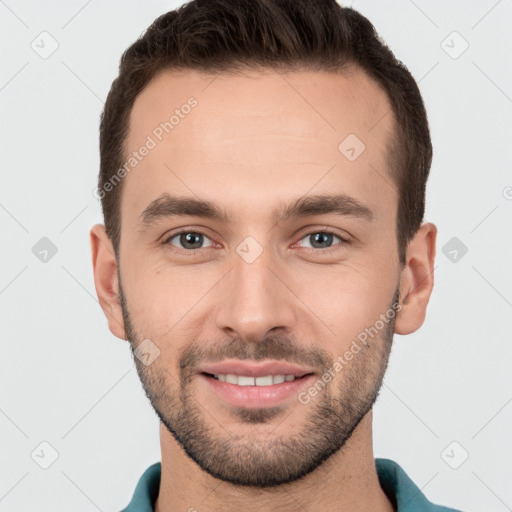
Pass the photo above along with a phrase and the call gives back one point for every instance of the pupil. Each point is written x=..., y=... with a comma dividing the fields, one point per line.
x=319, y=237
x=188, y=239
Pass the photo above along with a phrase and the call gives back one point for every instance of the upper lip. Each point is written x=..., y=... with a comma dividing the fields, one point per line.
x=251, y=369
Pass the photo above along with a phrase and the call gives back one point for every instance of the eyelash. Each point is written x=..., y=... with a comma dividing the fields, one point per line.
x=343, y=241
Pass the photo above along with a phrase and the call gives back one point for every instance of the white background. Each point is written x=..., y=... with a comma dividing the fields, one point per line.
x=66, y=380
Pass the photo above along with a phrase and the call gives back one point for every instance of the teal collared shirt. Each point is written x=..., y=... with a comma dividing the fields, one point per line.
x=400, y=489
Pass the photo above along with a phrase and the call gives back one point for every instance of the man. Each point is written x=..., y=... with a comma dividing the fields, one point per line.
x=263, y=171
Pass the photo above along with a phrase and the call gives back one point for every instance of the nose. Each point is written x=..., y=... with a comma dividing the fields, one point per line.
x=255, y=300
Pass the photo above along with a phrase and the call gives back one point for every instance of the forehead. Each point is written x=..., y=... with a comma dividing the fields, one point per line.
x=262, y=132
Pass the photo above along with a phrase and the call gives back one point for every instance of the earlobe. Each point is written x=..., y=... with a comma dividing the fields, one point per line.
x=417, y=279
x=106, y=279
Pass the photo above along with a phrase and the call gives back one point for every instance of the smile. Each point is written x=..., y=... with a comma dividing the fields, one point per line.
x=247, y=380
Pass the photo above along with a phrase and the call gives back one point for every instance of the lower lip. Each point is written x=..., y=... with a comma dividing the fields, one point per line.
x=254, y=397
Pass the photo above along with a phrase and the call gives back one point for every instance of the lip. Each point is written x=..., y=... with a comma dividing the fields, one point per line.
x=253, y=397
x=251, y=369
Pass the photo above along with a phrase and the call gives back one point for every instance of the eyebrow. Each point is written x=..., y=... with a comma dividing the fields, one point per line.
x=167, y=205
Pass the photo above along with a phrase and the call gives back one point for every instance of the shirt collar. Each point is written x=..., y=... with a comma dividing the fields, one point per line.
x=399, y=488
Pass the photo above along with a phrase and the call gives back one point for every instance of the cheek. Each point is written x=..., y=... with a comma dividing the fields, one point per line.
x=348, y=299
x=160, y=296
x=164, y=300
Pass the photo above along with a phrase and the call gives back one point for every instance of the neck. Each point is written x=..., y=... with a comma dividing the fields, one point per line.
x=347, y=481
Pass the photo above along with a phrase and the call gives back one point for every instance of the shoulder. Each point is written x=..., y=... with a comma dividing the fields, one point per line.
x=146, y=492
x=402, y=491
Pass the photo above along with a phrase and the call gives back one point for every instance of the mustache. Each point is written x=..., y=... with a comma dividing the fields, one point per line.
x=271, y=347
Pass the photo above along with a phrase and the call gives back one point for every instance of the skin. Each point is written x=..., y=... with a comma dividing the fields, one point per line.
x=256, y=142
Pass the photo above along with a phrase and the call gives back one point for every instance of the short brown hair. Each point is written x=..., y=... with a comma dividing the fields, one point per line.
x=226, y=35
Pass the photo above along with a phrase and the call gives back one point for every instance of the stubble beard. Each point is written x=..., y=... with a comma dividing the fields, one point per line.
x=257, y=455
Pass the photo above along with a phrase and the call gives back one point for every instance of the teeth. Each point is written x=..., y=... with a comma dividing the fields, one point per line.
x=264, y=381
x=231, y=379
x=244, y=380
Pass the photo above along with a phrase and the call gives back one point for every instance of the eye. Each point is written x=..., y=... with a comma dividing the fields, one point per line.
x=189, y=240
x=321, y=240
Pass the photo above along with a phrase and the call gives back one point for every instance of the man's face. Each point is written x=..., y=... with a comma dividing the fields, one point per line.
x=260, y=293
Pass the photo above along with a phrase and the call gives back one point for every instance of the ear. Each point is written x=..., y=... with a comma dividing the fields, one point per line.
x=417, y=279
x=105, y=279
